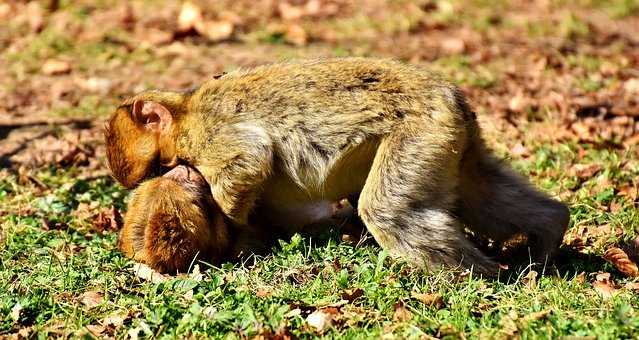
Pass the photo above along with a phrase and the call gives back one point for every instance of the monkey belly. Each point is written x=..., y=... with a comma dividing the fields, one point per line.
x=287, y=204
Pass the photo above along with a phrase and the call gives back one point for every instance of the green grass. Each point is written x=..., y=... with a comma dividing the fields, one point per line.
x=62, y=276
x=46, y=273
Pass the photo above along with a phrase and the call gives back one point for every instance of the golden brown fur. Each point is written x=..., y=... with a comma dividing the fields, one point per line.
x=399, y=137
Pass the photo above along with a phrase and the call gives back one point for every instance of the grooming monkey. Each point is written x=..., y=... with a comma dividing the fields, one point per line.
x=399, y=138
x=173, y=220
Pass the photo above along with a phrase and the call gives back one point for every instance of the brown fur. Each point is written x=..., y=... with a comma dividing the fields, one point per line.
x=399, y=137
x=172, y=220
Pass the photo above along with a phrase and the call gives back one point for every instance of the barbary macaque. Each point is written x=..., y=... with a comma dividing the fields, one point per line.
x=172, y=221
x=399, y=138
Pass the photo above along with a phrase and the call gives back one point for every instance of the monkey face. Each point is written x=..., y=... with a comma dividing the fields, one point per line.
x=138, y=139
x=132, y=152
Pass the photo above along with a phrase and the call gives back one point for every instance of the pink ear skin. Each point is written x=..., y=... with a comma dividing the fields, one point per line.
x=154, y=116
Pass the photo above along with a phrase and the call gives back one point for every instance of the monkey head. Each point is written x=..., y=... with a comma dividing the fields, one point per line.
x=172, y=220
x=140, y=135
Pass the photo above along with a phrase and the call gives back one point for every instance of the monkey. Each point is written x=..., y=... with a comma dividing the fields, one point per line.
x=172, y=221
x=398, y=137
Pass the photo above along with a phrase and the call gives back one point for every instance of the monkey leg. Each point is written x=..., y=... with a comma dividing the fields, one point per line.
x=408, y=197
x=498, y=203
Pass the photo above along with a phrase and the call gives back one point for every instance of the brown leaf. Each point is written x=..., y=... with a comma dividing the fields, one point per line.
x=55, y=67
x=620, y=260
x=432, y=300
x=296, y=35
x=115, y=319
x=401, y=313
x=107, y=220
x=215, y=30
x=632, y=286
x=321, y=319
x=95, y=329
x=585, y=171
x=35, y=16
x=530, y=280
x=604, y=286
x=352, y=294
x=263, y=292
x=190, y=16
x=148, y=274
x=91, y=299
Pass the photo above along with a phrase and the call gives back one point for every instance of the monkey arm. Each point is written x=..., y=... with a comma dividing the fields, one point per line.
x=236, y=165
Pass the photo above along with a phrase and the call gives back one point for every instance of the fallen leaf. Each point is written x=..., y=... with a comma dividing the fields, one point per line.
x=107, y=220
x=632, y=286
x=352, y=294
x=321, y=320
x=91, y=298
x=603, y=285
x=585, y=171
x=296, y=35
x=620, y=260
x=401, y=313
x=581, y=278
x=190, y=16
x=453, y=45
x=530, y=280
x=215, y=30
x=263, y=292
x=35, y=16
x=432, y=300
x=290, y=12
x=15, y=311
x=537, y=315
x=115, y=319
x=95, y=329
x=55, y=67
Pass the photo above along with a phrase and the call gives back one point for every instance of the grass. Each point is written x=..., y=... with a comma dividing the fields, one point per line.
x=62, y=276
x=47, y=273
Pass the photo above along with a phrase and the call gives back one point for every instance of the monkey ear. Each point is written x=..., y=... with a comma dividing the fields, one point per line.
x=153, y=115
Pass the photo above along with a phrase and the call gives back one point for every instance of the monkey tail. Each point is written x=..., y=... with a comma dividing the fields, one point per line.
x=497, y=203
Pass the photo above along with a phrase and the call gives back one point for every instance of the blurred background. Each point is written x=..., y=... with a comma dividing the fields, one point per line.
x=557, y=70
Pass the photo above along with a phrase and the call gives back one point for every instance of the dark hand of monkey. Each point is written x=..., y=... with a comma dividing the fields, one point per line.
x=398, y=137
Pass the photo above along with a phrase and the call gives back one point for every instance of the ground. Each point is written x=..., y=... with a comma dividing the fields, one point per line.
x=555, y=85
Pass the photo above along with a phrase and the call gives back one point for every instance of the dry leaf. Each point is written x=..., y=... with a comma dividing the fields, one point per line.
x=632, y=286
x=603, y=285
x=263, y=292
x=91, y=299
x=530, y=280
x=115, y=319
x=54, y=67
x=620, y=260
x=190, y=16
x=401, y=313
x=352, y=294
x=215, y=30
x=453, y=45
x=107, y=220
x=321, y=320
x=95, y=329
x=15, y=311
x=296, y=35
x=537, y=315
x=433, y=300
x=585, y=171
x=148, y=274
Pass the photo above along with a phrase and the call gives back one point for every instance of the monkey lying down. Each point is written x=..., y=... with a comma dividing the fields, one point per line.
x=396, y=138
